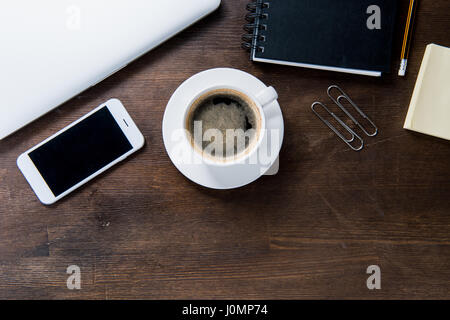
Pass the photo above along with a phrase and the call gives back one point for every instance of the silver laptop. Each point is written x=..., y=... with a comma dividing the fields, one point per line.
x=54, y=49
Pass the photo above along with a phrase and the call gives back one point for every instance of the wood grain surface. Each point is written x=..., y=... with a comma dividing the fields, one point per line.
x=143, y=231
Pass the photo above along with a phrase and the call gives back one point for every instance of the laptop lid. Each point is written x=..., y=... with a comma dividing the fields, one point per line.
x=54, y=49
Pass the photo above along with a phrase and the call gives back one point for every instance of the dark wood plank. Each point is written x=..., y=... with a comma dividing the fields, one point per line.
x=143, y=231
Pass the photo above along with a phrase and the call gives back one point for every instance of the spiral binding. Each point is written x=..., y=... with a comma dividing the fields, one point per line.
x=255, y=26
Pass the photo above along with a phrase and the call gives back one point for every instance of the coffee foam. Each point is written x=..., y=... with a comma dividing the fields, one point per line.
x=225, y=109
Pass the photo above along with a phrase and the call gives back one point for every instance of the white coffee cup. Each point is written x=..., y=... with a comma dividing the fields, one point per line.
x=258, y=102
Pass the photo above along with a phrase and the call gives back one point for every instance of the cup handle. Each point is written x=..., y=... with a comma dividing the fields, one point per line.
x=267, y=96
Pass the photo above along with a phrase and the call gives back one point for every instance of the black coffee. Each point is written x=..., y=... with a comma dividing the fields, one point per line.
x=224, y=123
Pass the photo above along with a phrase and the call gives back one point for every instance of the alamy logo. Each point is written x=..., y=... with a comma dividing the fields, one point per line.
x=374, y=281
x=74, y=280
x=374, y=21
x=73, y=21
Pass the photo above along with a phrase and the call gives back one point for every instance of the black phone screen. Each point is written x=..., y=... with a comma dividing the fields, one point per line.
x=80, y=151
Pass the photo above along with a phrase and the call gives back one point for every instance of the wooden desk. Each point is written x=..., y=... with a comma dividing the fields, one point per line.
x=144, y=231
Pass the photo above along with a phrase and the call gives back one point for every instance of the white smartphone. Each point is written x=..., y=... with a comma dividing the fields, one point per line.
x=81, y=151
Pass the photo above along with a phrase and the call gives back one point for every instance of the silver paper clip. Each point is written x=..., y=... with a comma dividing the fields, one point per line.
x=337, y=101
x=353, y=135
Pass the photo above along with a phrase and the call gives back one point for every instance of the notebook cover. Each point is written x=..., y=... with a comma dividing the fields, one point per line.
x=429, y=110
x=328, y=33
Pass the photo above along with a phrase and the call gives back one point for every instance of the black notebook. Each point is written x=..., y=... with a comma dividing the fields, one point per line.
x=352, y=36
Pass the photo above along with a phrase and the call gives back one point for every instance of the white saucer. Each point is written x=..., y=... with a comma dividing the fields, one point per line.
x=228, y=177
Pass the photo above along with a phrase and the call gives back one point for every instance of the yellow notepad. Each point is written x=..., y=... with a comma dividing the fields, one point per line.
x=429, y=110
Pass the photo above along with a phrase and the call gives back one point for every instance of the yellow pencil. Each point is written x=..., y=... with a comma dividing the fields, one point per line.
x=407, y=37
